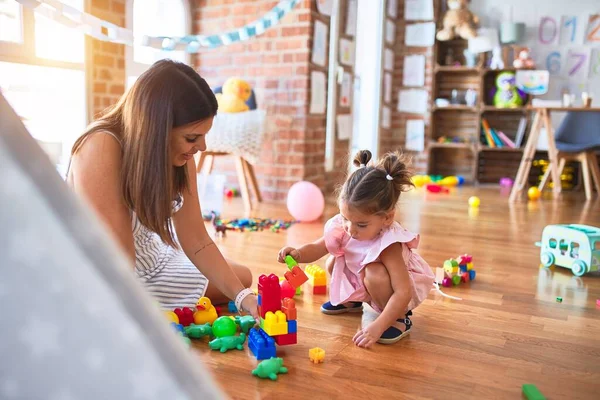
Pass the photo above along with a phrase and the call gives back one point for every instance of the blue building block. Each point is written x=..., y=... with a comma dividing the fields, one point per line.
x=261, y=344
x=292, y=326
x=231, y=307
x=463, y=268
x=259, y=301
x=471, y=274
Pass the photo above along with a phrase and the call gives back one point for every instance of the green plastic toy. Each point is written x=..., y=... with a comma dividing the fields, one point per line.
x=291, y=263
x=198, y=331
x=270, y=368
x=573, y=246
x=245, y=322
x=531, y=392
x=224, y=326
x=228, y=343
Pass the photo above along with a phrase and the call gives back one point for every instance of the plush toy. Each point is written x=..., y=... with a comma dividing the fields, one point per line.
x=235, y=94
x=524, y=61
x=458, y=21
x=507, y=95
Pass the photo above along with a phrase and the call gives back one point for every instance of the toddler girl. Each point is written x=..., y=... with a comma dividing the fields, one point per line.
x=372, y=257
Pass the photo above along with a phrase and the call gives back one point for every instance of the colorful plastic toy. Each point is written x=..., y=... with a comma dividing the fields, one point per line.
x=198, y=331
x=291, y=263
x=474, y=201
x=261, y=344
x=534, y=193
x=287, y=339
x=458, y=270
x=274, y=323
x=206, y=312
x=531, y=392
x=286, y=289
x=171, y=316
x=228, y=343
x=317, y=278
x=185, y=315
x=270, y=368
x=231, y=307
x=269, y=293
x=245, y=322
x=224, y=326
x=316, y=355
x=435, y=188
x=296, y=277
x=559, y=299
x=289, y=309
x=571, y=246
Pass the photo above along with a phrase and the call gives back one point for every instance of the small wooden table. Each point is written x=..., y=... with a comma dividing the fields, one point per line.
x=541, y=118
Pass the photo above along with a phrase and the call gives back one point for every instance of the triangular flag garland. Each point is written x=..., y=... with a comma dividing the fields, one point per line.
x=105, y=31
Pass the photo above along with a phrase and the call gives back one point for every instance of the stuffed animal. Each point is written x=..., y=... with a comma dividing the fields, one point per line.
x=496, y=61
x=507, y=95
x=524, y=61
x=458, y=21
x=235, y=94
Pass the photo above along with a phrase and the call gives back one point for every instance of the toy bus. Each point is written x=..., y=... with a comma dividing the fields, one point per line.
x=572, y=246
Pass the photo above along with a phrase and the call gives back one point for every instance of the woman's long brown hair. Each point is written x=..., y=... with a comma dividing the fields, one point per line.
x=166, y=96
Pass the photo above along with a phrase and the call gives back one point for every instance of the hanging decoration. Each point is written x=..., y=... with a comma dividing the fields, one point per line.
x=105, y=31
x=193, y=43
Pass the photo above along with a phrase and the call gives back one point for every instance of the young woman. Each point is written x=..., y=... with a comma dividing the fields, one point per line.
x=135, y=166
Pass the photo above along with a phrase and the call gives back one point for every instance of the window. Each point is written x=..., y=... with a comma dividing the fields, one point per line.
x=42, y=76
x=574, y=250
x=11, y=22
x=563, y=246
x=154, y=18
x=596, y=245
x=552, y=243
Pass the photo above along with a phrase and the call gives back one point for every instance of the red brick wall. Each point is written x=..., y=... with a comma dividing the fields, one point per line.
x=105, y=60
x=276, y=64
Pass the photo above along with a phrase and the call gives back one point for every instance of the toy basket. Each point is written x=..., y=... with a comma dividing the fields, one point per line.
x=240, y=134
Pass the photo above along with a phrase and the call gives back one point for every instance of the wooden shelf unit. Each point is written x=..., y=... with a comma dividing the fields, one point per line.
x=476, y=161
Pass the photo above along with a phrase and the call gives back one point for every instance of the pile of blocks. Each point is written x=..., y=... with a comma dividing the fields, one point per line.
x=317, y=279
x=457, y=270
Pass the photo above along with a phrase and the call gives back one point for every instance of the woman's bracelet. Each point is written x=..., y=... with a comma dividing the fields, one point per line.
x=241, y=296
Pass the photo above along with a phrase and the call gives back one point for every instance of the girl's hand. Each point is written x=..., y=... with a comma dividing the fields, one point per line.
x=250, y=305
x=367, y=337
x=288, y=251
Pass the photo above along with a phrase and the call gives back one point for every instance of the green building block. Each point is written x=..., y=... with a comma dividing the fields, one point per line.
x=291, y=263
x=531, y=392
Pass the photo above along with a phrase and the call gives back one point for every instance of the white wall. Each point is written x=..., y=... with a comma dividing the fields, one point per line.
x=492, y=12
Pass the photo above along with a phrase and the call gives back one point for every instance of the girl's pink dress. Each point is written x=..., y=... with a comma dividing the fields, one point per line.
x=351, y=256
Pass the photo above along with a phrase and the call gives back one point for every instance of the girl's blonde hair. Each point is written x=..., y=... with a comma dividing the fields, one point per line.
x=375, y=188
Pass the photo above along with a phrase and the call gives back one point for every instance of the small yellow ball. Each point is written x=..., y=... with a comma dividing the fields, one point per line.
x=474, y=201
x=534, y=193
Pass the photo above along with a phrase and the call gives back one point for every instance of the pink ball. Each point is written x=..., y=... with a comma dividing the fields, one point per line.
x=305, y=201
x=287, y=290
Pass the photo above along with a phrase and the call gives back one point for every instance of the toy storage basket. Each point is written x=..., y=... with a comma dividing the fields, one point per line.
x=240, y=134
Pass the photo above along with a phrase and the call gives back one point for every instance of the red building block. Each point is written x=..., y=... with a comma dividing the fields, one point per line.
x=284, y=340
x=319, y=289
x=270, y=294
x=289, y=309
x=185, y=315
x=296, y=277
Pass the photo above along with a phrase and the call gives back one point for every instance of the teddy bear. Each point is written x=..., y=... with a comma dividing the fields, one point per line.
x=524, y=61
x=235, y=94
x=458, y=21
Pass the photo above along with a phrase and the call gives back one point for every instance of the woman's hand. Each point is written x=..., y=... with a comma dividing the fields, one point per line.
x=288, y=251
x=250, y=305
x=368, y=336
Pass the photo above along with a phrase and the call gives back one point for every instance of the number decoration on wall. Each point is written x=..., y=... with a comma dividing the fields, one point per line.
x=570, y=31
x=595, y=64
x=548, y=30
x=578, y=62
x=554, y=62
x=593, y=30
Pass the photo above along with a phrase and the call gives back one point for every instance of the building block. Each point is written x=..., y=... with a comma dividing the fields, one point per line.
x=316, y=355
x=291, y=263
x=295, y=277
x=319, y=289
x=185, y=315
x=292, y=326
x=287, y=339
x=463, y=268
x=469, y=266
x=316, y=275
x=456, y=279
x=531, y=392
x=261, y=344
x=274, y=323
x=270, y=292
x=464, y=277
x=298, y=290
x=447, y=282
x=472, y=275
x=289, y=309
x=231, y=307
x=287, y=290
x=259, y=299
x=464, y=259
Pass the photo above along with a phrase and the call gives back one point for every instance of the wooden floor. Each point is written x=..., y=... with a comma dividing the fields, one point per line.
x=508, y=330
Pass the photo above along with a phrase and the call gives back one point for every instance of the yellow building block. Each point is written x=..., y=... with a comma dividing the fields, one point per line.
x=469, y=266
x=275, y=324
x=316, y=355
x=316, y=275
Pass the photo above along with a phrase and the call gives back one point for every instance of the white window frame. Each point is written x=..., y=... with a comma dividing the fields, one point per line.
x=133, y=68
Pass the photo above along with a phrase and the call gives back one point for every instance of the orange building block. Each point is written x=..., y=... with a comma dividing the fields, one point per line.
x=289, y=309
x=316, y=275
x=296, y=277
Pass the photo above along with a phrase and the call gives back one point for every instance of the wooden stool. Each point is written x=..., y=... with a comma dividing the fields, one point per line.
x=589, y=165
x=245, y=172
